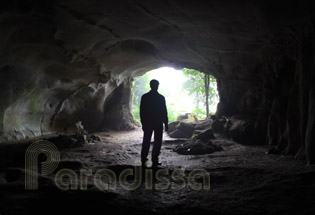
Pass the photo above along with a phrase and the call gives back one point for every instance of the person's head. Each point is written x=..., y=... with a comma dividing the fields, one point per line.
x=154, y=84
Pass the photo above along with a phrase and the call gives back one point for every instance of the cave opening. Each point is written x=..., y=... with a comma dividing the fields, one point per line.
x=184, y=91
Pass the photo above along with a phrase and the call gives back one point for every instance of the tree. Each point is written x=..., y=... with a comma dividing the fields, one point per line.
x=207, y=83
x=194, y=85
x=202, y=87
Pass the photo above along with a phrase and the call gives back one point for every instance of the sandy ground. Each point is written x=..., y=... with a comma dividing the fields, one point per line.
x=243, y=180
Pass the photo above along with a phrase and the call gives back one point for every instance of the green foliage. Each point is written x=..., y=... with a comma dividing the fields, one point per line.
x=138, y=92
x=140, y=86
x=136, y=112
x=200, y=114
x=195, y=86
x=172, y=113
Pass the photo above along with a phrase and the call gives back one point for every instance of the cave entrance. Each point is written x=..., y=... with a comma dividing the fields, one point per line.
x=184, y=91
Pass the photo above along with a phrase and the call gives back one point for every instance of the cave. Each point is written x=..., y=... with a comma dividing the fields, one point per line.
x=64, y=62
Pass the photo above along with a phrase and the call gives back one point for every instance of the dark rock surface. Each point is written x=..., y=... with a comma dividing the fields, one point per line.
x=242, y=129
x=181, y=129
x=187, y=129
x=63, y=62
x=219, y=125
x=197, y=147
x=204, y=134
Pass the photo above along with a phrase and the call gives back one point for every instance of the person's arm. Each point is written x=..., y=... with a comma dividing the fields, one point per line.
x=164, y=114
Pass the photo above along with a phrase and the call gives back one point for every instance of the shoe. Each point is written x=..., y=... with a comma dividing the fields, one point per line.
x=144, y=162
x=156, y=164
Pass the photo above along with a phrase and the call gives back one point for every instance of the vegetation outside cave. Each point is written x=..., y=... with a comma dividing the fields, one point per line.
x=184, y=91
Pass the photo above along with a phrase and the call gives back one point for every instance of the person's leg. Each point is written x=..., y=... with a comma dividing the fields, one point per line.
x=158, y=134
x=147, y=134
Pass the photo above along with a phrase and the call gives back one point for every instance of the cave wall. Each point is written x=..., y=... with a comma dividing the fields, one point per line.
x=291, y=114
x=65, y=61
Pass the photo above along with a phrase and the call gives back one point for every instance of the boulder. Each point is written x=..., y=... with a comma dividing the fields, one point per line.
x=197, y=147
x=177, y=134
x=182, y=130
x=94, y=138
x=204, y=124
x=203, y=134
x=242, y=129
x=219, y=124
x=187, y=128
x=172, y=126
x=183, y=117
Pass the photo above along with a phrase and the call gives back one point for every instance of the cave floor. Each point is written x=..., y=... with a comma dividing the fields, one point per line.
x=244, y=180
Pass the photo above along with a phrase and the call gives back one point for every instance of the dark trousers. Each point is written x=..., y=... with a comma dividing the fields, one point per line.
x=158, y=133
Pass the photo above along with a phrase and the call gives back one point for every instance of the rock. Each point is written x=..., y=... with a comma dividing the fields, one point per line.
x=187, y=128
x=172, y=126
x=182, y=130
x=183, y=117
x=94, y=138
x=197, y=147
x=203, y=124
x=242, y=129
x=118, y=110
x=218, y=125
x=203, y=134
x=177, y=134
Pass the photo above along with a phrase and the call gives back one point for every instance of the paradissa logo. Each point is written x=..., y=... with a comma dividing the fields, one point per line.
x=67, y=179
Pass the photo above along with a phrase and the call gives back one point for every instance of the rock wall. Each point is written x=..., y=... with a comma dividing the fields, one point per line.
x=65, y=61
x=290, y=122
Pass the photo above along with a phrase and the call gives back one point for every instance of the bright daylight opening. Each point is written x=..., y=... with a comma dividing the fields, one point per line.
x=184, y=91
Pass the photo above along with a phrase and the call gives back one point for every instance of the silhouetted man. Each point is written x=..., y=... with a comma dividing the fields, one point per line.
x=153, y=114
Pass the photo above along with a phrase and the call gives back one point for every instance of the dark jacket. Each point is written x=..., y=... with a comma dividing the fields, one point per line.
x=153, y=109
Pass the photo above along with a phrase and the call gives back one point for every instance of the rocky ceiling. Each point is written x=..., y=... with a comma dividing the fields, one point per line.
x=65, y=61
